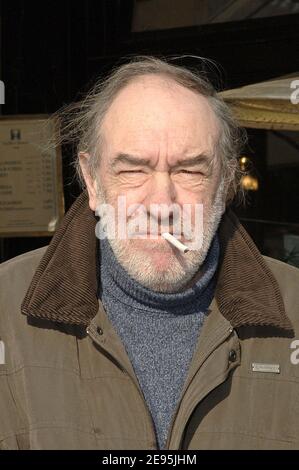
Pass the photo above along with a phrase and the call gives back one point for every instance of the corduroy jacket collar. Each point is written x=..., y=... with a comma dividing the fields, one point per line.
x=64, y=287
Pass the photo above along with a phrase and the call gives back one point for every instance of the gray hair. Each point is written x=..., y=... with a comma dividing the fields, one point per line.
x=81, y=121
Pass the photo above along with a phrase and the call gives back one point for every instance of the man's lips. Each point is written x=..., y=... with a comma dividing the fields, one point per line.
x=159, y=234
x=175, y=234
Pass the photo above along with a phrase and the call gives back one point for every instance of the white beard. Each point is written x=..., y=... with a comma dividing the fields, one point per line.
x=181, y=267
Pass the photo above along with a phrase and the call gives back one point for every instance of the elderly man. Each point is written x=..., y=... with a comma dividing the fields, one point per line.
x=120, y=339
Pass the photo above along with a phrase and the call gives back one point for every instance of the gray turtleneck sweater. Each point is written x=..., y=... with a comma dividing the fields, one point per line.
x=159, y=331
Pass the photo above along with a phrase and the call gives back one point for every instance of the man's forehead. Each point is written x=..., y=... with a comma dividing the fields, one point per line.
x=154, y=122
x=149, y=97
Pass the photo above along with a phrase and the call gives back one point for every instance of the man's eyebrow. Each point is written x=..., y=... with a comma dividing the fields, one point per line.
x=130, y=160
x=137, y=161
x=202, y=158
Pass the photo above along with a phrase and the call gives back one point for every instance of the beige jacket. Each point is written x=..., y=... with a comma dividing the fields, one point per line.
x=67, y=382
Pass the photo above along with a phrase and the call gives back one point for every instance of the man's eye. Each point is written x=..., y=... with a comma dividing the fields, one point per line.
x=131, y=171
x=188, y=172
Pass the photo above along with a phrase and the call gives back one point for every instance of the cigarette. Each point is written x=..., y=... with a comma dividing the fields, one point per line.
x=175, y=242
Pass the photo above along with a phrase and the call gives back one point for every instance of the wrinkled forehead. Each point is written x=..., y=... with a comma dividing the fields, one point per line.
x=155, y=111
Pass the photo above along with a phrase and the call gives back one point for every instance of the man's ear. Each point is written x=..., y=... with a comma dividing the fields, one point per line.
x=91, y=183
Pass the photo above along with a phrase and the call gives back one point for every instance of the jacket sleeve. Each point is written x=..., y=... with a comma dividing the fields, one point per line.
x=13, y=429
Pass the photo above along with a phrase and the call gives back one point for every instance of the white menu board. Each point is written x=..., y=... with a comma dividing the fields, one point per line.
x=31, y=189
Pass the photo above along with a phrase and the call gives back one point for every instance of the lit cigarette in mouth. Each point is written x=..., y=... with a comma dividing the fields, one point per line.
x=175, y=242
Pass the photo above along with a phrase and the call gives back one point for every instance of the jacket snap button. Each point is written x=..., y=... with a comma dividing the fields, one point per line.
x=232, y=355
x=99, y=330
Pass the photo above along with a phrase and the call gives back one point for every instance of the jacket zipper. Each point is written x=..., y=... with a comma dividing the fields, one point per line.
x=93, y=336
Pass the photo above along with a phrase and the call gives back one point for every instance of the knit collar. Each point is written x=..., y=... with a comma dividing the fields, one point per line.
x=64, y=286
x=113, y=277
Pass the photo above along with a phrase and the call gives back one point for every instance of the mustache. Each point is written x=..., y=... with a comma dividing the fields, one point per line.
x=154, y=226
